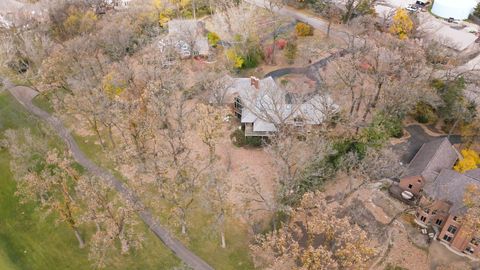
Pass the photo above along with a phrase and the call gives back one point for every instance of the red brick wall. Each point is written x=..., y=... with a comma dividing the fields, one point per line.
x=416, y=183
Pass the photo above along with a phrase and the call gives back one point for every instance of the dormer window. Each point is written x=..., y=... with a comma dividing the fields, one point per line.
x=298, y=121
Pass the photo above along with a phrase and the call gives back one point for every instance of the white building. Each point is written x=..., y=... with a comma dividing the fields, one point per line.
x=188, y=37
x=457, y=9
x=261, y=105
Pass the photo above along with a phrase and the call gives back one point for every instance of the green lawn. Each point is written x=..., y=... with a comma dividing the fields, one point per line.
x=28, y=241
x=202, y=240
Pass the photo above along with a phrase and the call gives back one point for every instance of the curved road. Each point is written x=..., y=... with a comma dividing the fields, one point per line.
x=310, y=71
x=24, y=95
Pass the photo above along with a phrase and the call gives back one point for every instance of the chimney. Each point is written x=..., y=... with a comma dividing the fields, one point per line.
x=255, y=82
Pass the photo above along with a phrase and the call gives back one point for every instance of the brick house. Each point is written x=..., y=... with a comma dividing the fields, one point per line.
x=440, y=191
x=448, y=190
x=432, y=157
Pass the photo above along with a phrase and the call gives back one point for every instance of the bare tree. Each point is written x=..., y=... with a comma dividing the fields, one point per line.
x=115, y=219
x=45, y=177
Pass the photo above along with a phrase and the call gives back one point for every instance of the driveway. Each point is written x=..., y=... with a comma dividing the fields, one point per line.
x=418, y=137
x=314, y=21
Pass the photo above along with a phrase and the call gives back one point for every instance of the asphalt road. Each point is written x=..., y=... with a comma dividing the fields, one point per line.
x=24, y=95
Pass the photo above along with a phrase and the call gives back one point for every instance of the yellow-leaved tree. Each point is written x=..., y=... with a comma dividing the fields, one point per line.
x=470, y=161
x=402, y=24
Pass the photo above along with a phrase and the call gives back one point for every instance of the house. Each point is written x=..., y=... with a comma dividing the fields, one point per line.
x=425, y=166
x=187, y=37
x=458, y=10
x=442, y=208
x=117, y=4
x=262, y=105
x=440, y=191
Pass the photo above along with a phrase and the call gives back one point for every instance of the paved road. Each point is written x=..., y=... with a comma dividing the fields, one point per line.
x=418, y=137
x=24, y=95
x=311, y=71
x=314, y=21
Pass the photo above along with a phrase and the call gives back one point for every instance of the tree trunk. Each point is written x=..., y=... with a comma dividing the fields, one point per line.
x=81, y=243
x=329, y=27
x=224, y=245
x=184, y=228
x=194, y=8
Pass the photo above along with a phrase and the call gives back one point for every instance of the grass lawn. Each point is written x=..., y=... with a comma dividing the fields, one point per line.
x=28, y=241
x=202, y=240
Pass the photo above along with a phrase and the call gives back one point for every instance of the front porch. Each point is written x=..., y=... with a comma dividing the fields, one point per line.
x=248, y=127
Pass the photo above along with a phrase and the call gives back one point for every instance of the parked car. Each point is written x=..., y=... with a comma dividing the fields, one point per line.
x=412, y=8
x=422, y=4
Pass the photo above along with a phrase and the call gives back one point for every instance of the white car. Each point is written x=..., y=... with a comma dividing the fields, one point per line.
x=412, y=8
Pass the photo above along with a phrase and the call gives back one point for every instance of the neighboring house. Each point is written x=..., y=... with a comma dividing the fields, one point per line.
x=439, y=191
x=117, y=4
x=262, y=105
x=459, y=10
x=427, y=164
x=187, y=37
x=442, y=208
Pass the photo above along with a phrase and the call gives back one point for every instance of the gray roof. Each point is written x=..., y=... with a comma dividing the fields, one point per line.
x=269, y=105
x=473, y=173
x=183, y=34
x=450, y=186
x=432, y=157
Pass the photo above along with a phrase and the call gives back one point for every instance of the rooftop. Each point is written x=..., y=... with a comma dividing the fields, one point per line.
x=432, y=157
x=450, y=186
x=269, y=104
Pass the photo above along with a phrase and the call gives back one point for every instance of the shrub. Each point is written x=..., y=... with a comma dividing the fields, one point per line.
x=424, y=113
x=390, y=123
x=240, y=140
x=291, y=52
x=253, y=57
x=236, y=60
x=281, y=43
x=213, y=39
x=303, y=29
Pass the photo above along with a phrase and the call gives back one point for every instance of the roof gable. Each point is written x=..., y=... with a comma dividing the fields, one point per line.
x=432, y=157
x=450, y=186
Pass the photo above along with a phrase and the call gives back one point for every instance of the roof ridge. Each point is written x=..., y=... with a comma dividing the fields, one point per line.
x=436, y=150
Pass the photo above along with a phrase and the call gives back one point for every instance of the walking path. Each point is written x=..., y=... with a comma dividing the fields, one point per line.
x=24, y=95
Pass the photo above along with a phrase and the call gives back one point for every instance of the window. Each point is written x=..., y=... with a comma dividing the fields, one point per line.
x=475, y=241
x=447, y=238
x=419, y=181
x=470, y=250
x=410, y=186
x=434, y=212
x=455, y=218
x=298, y=121
x=452, y=229
x=427, y=210
x=438, y=222
x=423, y=218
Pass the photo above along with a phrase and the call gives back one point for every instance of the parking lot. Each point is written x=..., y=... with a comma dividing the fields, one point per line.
x=458, y=35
